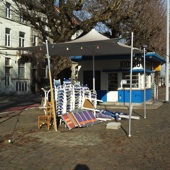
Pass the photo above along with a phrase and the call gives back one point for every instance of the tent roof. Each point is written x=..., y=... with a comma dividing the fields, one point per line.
x=93, y=43
x=91, y=36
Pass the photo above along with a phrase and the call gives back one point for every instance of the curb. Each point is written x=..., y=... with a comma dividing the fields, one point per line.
x=154, y=105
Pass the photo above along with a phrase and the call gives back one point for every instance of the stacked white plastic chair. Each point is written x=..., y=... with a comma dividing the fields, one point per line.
x=94, y=98
x=60, y=100
x=78, y=93
x=70, y=98
x=86, y=92
x=60, y=97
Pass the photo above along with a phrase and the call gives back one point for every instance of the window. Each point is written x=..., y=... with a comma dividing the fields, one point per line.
x=21, y=86
x=21, y=39
x=21, y=18
x=112, y=81
x=147, y=80
x=34, y=40
x=8, y=11
x=135, y=80
x=7, y=71
x=21, y=69
x=45, y=70
x=0, y=37
x=7, y=37
x=7, y=61
x=7, y=80
x=88, y=79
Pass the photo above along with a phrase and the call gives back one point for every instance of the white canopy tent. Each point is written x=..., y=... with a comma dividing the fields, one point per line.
x=91, y=44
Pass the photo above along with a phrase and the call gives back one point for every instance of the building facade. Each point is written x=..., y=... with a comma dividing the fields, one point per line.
x=112, y=76
x=15, y=66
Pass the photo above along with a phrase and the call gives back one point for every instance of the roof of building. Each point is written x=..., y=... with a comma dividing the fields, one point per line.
x=154, y=57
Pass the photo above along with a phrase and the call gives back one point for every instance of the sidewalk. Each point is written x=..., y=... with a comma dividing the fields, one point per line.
x=149, y=105
x=89, y=148
x=13, y=102
x=8, y=103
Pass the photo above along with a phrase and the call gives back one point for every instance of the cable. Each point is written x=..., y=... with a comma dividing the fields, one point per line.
x=18, y=114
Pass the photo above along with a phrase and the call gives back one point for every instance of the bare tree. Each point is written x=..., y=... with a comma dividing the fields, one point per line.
x=147, y=19
x=149, y=25
x=61, y=20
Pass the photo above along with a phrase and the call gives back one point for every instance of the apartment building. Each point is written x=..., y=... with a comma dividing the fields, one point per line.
x=16, y=70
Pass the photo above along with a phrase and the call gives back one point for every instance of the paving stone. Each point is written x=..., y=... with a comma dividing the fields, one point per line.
x=93, y=148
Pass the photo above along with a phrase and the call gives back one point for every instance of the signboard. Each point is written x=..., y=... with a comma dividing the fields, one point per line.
x=157, y=67
x=126, y=64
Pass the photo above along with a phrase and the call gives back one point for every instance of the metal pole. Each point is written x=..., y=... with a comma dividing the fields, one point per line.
x=130, y=101
x=51, y=87
x=144, y=83
x=167, y=55
x=93, y=73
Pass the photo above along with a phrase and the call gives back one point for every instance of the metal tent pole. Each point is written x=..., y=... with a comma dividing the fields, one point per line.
x=167, y=55
x=93, y=72
x=144, y=81
x=130, y=102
